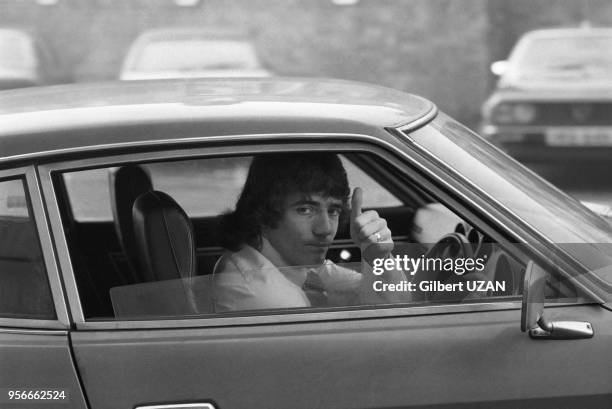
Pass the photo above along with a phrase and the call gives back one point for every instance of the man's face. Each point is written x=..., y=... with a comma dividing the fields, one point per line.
x=306, y=229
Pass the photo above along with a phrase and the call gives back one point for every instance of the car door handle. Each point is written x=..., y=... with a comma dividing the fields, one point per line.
x=179, y=406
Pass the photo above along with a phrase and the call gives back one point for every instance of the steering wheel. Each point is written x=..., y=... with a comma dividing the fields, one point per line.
x=452, y=245
x=449, y=246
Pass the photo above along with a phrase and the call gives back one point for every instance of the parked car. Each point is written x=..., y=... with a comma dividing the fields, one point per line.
x=553, y=98
x=87, y=322
x=190, y=52
x=25, y=61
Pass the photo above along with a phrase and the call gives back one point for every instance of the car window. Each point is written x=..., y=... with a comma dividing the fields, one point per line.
x=580, y=57
x=378, y=195
x=16, y=51
x=24, y=289
x=175, y=257
x=195, y=55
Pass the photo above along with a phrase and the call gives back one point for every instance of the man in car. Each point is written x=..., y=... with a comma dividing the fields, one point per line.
x=285, y=220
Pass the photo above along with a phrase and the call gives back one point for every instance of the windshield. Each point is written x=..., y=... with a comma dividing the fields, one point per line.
x=555, y=215
x=16, y=51
x=577, y=57
x=196, y=55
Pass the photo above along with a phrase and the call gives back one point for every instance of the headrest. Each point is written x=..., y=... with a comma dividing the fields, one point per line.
x=164, y=238
x=126, y=184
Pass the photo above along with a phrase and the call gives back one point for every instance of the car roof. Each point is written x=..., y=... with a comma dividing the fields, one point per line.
x=43, y=120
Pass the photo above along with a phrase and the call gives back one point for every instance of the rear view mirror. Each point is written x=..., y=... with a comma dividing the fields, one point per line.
x=532, y=311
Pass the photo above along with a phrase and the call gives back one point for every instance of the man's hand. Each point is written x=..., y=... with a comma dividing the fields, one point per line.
x=369, y=231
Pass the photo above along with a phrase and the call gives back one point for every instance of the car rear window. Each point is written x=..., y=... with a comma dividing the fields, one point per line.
x=196, y=55
x=24, y=289
x=16, y=51
x=582, y=57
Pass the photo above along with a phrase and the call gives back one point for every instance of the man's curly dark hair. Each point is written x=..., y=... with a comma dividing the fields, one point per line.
x=271, y=178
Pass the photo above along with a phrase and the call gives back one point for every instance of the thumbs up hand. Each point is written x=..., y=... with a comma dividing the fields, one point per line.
x=369, y=231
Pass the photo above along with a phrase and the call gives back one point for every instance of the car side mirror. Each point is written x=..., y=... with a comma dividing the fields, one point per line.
x=532, y=311
x=499, y=68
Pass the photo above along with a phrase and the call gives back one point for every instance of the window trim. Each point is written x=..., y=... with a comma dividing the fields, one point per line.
x=278, y=143
x=296, y=316
x=31, y=186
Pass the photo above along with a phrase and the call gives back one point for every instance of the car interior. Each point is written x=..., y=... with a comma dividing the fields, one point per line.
x=152, y=235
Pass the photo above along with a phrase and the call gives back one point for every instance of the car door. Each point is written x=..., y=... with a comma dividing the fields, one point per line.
x=36, y=363
x=423, y=354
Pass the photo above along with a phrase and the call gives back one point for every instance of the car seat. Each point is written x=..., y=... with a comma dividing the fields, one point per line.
x=166, y=251
x=165, y=245
x=127, y=183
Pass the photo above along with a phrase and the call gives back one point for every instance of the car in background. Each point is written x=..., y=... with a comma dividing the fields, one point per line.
x=185, y=52
x=25, y=61
x=553, y=100
x=100, y=308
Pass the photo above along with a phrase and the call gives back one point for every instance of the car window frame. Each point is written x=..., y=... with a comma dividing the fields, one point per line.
x=252, y=144
x=38, y=215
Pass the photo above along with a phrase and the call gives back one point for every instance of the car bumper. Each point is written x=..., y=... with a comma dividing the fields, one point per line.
x=553, y=145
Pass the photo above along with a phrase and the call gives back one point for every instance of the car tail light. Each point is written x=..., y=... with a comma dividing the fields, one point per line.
x=513, y=113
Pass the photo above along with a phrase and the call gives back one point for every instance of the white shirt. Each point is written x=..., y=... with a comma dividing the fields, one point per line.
x=247, y=280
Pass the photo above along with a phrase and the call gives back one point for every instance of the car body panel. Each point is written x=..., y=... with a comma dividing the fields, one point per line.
x=382, y=363
x=35, y=360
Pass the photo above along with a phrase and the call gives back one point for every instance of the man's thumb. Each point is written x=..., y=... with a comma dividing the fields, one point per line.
x=356, y=202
